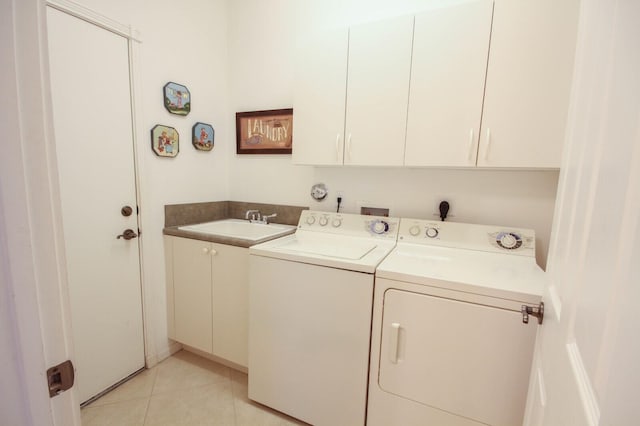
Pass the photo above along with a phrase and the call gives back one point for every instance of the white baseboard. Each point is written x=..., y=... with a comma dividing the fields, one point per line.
x=219, y=360
x=152, y=360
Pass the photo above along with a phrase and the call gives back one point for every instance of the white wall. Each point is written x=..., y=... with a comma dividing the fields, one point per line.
x=262, y=39
x=184, y=42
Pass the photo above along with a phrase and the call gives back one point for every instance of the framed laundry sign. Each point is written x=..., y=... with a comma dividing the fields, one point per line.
x=264, y=132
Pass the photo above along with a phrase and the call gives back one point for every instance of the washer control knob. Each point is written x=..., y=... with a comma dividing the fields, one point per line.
x=323, y=221
x=311, y=220
x=432, y=232
x=414, y=230
x=379, y=226
x=336, y=222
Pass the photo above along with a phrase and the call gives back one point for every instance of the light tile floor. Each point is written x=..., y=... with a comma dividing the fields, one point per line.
x=183, y=390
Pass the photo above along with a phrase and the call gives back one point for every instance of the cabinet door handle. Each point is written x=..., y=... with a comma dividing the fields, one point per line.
x=488, y=144
x=349, y=146
x=338, y=147
x=209, y=251
x=393, y=342
x=470, y=148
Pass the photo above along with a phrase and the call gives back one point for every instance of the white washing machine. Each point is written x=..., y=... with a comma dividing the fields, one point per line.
x=310, y=304
x=449, y=342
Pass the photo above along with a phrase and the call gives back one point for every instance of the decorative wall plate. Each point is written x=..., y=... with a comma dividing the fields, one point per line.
x=165, y=141
x=177, y=99
x=203, y=136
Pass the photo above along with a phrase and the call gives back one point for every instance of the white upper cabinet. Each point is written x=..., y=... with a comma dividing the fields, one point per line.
x=480, y=83
x=319, y=99
x=528, y=83
x=450, y=49
x=378, y=92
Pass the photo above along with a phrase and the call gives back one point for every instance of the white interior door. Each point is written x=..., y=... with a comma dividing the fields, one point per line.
x=586, y=365
x=89, y=69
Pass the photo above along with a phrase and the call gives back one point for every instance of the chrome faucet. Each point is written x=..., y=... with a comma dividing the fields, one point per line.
x=253, y=215
x=265, y=219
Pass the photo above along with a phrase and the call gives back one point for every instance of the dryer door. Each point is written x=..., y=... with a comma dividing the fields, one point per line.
x=466, y=359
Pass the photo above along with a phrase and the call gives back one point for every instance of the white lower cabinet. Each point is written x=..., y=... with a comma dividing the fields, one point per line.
x=192, y=293
x=207, y=297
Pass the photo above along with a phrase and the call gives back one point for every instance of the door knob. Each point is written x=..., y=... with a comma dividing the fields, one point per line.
x=126, y=211
x=127, y=234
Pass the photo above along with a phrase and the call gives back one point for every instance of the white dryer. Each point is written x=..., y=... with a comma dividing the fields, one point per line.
x=310, y=303
x=449, y=342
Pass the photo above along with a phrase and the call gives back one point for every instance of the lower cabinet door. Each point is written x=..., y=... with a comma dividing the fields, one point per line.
x=469, y=360
x=230, y=303
x=193, y=293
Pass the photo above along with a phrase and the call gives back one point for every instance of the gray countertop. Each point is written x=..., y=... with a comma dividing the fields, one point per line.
x=177, y=215
x=238, y=242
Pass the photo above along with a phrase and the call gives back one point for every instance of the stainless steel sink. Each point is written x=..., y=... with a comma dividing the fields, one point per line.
x=238, y=228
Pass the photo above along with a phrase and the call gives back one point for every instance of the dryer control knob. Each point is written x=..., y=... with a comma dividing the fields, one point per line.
x=323, y=221
x=414, y=230
x=336, y=223
x=509, y=240
x=379, y=227
x=311, y=220
x=432, y=232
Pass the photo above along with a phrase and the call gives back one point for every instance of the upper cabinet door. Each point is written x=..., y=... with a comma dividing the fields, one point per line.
x=319, y=99
x=528, y=83
x=378, y=92
x=450, y=49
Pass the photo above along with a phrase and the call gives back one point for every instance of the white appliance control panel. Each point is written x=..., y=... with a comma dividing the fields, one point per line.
x=349, y=224
x=487, y=238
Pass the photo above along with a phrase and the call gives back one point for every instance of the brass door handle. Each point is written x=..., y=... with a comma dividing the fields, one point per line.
x=127, y=234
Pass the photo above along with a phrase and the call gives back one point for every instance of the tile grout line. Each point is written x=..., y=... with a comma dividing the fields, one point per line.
x=233, y=397
x=146, y=412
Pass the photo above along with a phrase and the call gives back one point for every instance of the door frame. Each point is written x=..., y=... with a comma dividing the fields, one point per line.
x=134, y=42
x=33, y=276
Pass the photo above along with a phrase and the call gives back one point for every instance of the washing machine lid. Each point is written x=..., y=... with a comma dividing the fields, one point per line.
x=335, y=251
x=353, y=251
x=487, y=274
